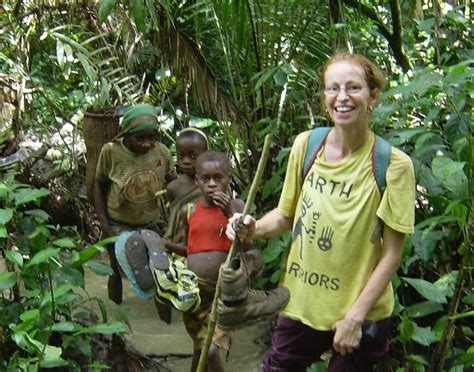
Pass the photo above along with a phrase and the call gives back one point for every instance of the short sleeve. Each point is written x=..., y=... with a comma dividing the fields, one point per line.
x=293, y=180
x=104, y=163
x=397, y=208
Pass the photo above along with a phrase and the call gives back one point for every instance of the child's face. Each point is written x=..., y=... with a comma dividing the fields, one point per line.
x=141, y=142
x=187, y=151
x=211, y=177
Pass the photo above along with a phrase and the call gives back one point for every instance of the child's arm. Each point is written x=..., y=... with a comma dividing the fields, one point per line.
x=179, y=248
x=171, y=191
x=101, y=185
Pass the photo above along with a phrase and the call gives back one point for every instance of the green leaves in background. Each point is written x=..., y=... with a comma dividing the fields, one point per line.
x=451, y=175
x=426, y=289
x=105, y=7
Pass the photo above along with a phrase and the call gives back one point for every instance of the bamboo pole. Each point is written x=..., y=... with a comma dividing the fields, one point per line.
x=235, y=245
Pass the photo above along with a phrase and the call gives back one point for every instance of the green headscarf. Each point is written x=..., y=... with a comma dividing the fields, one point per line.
x=130, y=125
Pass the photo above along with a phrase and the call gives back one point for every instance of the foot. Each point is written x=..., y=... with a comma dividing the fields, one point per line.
x=156, y=249
x=114, y=289
x=164, y=311
x=137, y=257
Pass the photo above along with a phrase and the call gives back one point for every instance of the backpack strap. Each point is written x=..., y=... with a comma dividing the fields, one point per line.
x=315, y=142
x=381, y=152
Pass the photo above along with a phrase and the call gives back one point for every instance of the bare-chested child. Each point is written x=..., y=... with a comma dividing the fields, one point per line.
x=206, y=249
x=190, y=143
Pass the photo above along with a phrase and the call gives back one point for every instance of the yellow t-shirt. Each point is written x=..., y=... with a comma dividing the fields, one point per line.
x=134, y=180
x=335, y=243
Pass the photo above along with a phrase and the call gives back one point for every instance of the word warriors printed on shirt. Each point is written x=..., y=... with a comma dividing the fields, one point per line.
x=313, y=278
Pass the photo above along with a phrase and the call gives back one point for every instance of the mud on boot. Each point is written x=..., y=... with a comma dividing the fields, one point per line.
x=258, y=306
x=237, y=276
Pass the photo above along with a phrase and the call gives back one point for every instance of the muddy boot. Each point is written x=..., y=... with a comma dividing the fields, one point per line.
x=237, y=276
x=258, y=306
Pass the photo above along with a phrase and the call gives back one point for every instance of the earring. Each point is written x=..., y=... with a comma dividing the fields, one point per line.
x=370, y=109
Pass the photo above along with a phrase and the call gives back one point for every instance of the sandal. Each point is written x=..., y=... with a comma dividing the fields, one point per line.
x=137, y=257
x=156, y=249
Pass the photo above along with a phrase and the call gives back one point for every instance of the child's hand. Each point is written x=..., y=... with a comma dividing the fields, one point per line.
x=222, y=200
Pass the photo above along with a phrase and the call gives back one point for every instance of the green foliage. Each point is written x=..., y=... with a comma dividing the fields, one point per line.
x=40, y=293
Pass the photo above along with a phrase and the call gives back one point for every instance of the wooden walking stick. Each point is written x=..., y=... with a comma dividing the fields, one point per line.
x=235, y=245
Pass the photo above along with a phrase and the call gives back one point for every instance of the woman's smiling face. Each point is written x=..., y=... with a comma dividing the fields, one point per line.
x=347, y=95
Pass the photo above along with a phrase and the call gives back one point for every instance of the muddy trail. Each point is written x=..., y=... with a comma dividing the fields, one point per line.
x=169, y=344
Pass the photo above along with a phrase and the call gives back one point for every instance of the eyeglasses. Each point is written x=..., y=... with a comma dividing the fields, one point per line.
x=334, y=90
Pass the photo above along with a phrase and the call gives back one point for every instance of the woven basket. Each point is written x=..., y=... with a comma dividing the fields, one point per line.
x=100, y=127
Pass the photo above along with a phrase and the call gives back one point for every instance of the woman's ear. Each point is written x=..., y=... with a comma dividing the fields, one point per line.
x=374, y=96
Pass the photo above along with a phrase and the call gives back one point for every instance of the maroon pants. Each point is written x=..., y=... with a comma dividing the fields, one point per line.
x=295, y=346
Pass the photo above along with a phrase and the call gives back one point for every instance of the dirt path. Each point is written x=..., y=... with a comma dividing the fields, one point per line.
x=152, y=336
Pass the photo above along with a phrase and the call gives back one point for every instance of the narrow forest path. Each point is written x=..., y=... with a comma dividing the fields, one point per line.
x=152, y=336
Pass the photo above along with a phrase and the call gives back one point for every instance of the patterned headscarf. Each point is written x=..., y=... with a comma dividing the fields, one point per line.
x=138, y=117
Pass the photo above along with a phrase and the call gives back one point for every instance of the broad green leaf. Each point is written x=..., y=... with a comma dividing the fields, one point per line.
x=280, y=78
x=425, y=242
x=87, y=254
x=418, y=359
x=107, y=329
x=23, y=340
x=42, y=256
x=40, y=230
x=138, y=12
x=275, y=276
x=60, y=292
x=15, y=257
x=423, y=335
x=66, y=327
x=272, y=250
x=64, y=243
x=7, y=280
x=69, y=275
x=105, y=7
x=99, y=268
x=60, y=53
x=466, y=359
x=29, y=315
x=264, y=76
x=3, y=191
x=3, y=232
x=52, y=356
x=53, y=362
x=451, y=175
x=5, y=215
x=24, y=196
x=469, y=299
x=447, y=283
x=270, y=186
x=426, y=289
x=39, y=215
x=424, y=308
x=84, y=346
x=406, y=328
